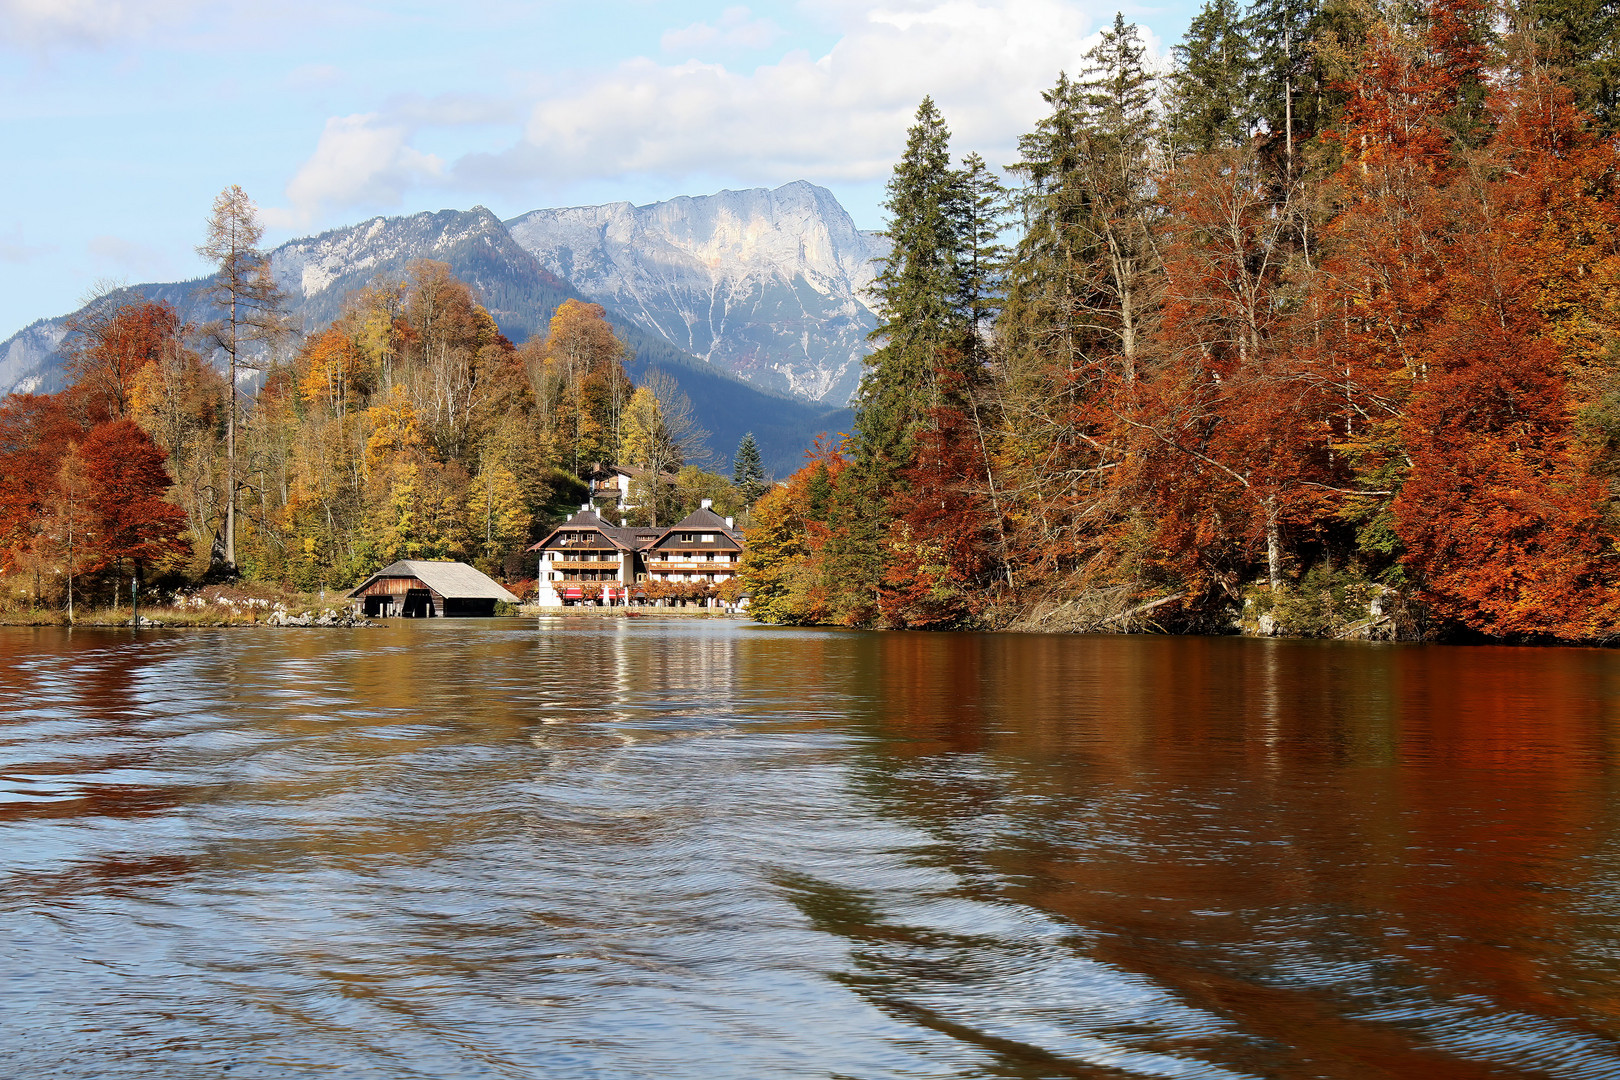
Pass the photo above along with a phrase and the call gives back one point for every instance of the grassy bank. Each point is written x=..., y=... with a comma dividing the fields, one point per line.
x=157, y=615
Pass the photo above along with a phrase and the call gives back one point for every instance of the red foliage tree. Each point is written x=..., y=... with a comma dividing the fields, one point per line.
x=941, y=552
x=127, y=483
x=35, y=431
x=1501, y=520
x=112, y=342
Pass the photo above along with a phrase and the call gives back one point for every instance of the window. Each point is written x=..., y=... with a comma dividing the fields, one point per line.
x=686, y=538
x=708, y=538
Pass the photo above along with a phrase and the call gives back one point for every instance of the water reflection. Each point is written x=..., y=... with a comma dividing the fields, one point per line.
x=591, y=847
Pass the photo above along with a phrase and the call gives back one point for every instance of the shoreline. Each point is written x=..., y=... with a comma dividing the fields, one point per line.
x=163, y=618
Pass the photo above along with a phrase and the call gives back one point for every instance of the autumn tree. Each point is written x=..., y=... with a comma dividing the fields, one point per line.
x=68, y=534
x=660, y=435
x=252, y=317
x=111, y=340
x=133, y=522
x=578, y=379
x=35, y=431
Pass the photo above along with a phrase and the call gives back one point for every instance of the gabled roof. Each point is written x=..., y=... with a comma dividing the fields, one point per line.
x=451, y=580
x=701, y=521
x=588, y=519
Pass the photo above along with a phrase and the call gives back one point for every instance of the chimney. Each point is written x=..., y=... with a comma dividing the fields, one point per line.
x=584, y=506
x=706, y=504
x=624, y=523
x=730, y=524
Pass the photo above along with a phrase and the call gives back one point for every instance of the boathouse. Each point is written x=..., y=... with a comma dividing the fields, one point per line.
x=415, y=589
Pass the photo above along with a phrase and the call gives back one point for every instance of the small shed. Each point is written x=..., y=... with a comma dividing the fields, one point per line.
x=416, y=589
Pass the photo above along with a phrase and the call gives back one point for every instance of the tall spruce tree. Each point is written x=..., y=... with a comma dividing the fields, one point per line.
x=1211, y=90
x=1295, y=94
x=921, y=293
x=985, y=257
x=1085, y=273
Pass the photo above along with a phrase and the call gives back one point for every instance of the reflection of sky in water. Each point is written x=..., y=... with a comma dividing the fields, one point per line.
x=602, y=848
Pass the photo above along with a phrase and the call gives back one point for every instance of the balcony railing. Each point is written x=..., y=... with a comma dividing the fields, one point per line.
x=691, y=567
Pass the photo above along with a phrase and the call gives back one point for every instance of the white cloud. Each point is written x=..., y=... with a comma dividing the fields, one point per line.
x=735, y=29
x=52, y=22
x=45, y=26
x=362, y=159
x=837, y=117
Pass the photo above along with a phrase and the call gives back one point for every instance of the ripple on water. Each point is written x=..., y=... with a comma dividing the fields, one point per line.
x=597, y=848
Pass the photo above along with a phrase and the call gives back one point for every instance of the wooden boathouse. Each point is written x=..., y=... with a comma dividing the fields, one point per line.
x=415, y=589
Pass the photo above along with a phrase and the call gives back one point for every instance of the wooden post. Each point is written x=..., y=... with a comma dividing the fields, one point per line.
x=134, y=602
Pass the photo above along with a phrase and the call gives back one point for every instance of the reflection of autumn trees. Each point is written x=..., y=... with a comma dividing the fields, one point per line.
x=1220, y=817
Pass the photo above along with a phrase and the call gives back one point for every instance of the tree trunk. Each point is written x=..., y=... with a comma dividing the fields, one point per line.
x=230, y=449
x=1273, y=544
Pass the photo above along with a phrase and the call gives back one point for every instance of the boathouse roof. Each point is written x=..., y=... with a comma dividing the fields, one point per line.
x=451, y=580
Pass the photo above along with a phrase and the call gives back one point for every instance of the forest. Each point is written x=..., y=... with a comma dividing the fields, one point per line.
x=1312, y=333
x=238, y=452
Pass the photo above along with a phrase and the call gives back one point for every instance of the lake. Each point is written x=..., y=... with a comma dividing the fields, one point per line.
x=594, y=847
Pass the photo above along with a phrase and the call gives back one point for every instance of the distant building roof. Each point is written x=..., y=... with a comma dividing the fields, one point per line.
x=640, y=538
x=451, y=580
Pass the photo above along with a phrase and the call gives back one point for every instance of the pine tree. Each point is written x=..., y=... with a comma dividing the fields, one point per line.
x=1295, y=94
x=920, y=292
x=1084, y=274
x=748, y=472
x=984, y=278
x=1211, y=88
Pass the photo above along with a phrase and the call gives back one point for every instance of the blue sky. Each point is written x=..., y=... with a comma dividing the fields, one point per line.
x=125, y=117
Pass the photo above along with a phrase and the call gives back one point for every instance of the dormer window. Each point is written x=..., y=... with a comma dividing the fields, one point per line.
x=708, y=538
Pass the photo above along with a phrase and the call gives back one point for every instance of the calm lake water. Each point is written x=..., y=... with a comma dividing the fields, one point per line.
x=607, y=848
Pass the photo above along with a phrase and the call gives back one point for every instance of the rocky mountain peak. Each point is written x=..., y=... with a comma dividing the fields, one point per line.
x=770, y=284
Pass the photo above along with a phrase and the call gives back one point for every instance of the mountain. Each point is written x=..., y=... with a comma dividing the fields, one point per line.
x=318, y=272
x=770, y=285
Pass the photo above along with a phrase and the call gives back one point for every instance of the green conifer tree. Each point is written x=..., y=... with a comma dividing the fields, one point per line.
x=748, y=472
x=920, y=293
x=1211, y=90
x=985, y=270
x=1084, y=275
x=1295, y=95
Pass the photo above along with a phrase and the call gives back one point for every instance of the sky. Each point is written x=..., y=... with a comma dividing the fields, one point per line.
x=124, y=118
